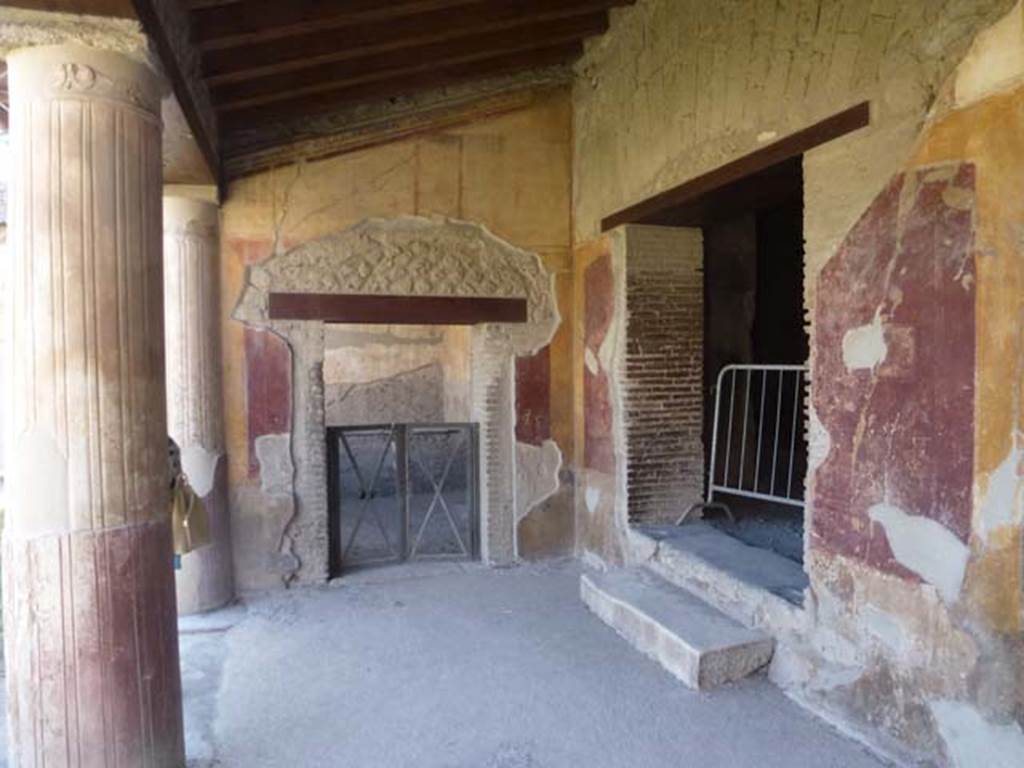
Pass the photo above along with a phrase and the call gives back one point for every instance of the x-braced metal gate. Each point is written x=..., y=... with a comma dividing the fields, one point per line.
x=402, y=492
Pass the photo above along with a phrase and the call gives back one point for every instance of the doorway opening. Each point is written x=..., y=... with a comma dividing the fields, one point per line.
x=717, y=370
x=402, y=451
x=755, y=352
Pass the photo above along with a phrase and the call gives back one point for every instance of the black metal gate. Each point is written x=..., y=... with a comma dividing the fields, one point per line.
x=402, y=492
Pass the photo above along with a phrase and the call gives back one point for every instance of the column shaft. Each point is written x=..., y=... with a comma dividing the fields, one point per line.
x=194, y=412
x=90, y=620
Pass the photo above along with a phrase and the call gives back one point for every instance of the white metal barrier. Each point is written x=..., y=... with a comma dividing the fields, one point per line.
x=757, y=421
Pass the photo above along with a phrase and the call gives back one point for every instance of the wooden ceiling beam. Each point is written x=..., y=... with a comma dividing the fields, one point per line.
x=167, y=24
x=329, y=45
x=431, y=76
x=328, y=77
x=196, y=5
x=259, y=20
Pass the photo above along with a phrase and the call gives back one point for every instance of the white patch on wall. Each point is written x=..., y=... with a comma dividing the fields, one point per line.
x=274, y=453
x=973, y=742
x=45, y=508
x=1002, y=503
x=537, y=468
x=864, y=346
x=819, y=441
x=200, y=467
x=886, y=628
x=925, y=547
x=593, y=498
x=590, y=360
x=995, y=61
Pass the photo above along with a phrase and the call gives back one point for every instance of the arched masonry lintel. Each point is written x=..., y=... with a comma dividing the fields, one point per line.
x=408, y=256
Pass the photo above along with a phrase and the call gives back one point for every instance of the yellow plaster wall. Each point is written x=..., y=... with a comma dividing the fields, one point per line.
x=990, y=134
x=511, y=173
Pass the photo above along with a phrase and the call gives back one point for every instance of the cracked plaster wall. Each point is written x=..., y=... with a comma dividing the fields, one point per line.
x=377, y=374
x=921, y=655
x=408, y=256
x=510, y=173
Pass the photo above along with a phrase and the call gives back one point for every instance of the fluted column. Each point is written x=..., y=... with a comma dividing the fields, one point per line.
x=194, y=413
x=90, y=620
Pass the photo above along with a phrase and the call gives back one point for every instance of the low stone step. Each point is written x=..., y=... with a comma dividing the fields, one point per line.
x=697, y=643
x=755, y=586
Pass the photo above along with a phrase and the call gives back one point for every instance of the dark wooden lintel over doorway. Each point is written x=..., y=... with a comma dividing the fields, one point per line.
x=761, y=174
x=396, y=310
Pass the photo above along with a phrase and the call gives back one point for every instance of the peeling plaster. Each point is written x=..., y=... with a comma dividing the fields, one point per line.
x=200, y=467
x=886, y=628
x=593, y=499
x=819, y=441
x=864, y=346
x=1001, y=505
x=409, y=255
x=972, y=741
x=590, y=360
x=925, y=547
x=274, y=453
x=537, y=469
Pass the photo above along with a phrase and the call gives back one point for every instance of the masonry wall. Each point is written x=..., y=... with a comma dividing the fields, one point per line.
x=664, y=372
x=376, y=374
x=912, y=630
x=510, y=173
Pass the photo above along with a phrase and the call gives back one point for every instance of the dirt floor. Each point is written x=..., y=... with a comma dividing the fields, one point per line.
x=460, y=666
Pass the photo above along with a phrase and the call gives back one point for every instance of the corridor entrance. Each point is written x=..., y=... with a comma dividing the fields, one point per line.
x=402, y=492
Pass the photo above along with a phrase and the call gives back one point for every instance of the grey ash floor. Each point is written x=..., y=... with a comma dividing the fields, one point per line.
x=458, y=666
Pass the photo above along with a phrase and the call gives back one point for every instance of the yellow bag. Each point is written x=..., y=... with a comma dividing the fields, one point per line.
x=189, y=520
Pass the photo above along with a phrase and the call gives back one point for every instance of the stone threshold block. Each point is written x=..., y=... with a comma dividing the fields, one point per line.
x=697, y=643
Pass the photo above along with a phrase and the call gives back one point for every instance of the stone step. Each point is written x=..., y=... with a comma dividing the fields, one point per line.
x=757, y=587
x=695, y=642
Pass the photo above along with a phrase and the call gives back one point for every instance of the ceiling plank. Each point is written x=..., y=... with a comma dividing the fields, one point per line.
x=385, y=66
x=328, y=45
x=194, y=5
x=260, y=20
x=428, y=77
x=656, y=208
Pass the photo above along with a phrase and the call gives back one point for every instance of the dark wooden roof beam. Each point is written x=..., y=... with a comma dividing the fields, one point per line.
x=431, y=76
x=326, y=77
x=338, y=44
x=258, y=20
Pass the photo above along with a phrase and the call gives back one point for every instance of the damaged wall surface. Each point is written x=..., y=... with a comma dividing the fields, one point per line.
x=912, y=630
x=378, y=374
x=419, y=257
x=510, y=173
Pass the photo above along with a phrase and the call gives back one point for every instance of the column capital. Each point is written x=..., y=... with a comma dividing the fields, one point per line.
x=66, y=55
x=188, y=215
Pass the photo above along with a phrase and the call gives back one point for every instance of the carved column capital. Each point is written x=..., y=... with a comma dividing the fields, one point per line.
x=71, y=71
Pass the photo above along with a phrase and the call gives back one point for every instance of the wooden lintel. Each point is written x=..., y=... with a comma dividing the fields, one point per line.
x=658, y=207
x=396, y=310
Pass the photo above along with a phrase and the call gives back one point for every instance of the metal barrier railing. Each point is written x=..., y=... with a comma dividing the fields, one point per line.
x=758, y=447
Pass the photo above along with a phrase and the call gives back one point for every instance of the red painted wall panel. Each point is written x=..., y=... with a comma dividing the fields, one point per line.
x=902, y=431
